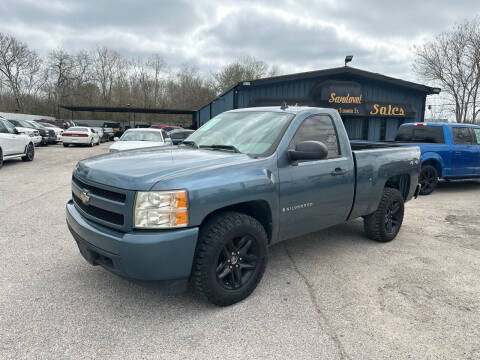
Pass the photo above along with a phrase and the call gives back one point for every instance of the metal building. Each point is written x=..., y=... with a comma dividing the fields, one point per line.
x=372, y=105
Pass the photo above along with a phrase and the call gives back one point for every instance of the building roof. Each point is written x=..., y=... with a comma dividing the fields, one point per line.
x=346, y=70
x=335, y=71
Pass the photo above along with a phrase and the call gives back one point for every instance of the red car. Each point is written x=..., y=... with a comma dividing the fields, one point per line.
x=166, y=127
x=64, y=124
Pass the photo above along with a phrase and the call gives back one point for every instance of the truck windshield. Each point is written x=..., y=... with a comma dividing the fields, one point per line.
x=252, y=132
x=141, y=136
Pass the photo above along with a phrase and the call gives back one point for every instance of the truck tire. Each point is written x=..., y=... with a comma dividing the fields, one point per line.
x=385, y=223
x=230, y=259
x=428, y=179
x=29, y=153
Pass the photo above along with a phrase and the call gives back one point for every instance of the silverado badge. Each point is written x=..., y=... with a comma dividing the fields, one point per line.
x=85, y=198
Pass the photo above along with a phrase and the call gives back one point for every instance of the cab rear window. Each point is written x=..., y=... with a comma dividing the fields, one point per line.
x=421, y=134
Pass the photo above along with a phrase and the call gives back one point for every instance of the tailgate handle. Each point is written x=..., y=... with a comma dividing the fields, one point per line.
x=339, y=171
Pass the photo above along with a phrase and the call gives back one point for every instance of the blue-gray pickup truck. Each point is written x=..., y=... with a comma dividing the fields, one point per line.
x=207, y=210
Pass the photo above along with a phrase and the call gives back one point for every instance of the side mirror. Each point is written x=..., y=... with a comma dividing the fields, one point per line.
x=15, y=130
x=308, y=150
x=168, y=141
x=116, y=138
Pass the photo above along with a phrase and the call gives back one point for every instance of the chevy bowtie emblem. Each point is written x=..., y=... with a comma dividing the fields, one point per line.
x=85, y=198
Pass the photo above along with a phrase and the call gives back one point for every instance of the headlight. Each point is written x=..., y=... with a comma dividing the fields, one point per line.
x=161, y=209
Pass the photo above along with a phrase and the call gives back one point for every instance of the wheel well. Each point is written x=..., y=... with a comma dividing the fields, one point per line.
x=258, y=209
x=435, y=164
x=401, y=183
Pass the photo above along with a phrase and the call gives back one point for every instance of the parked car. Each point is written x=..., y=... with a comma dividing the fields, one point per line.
x=34, y=134
x=139, y=138
x=102, y=134
x=14, y=144
x=63, y=124
x=449, y=151
x=167, y=128
x=178, y=135
x=58, y=131
x=48, y=135
x=116, y=127
x=109, y=132
x=80, y=136
x=208, y=209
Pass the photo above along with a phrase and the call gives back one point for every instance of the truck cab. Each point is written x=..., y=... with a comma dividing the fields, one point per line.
x=449, y=151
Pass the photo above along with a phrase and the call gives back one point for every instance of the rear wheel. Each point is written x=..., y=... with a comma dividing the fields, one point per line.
x=1, y=158
x=428, y=179
x=30, y=153
x=385, y=223
x=230, y=259
x=91, y=143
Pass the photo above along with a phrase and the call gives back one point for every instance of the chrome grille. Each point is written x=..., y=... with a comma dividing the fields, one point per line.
x=103, y=204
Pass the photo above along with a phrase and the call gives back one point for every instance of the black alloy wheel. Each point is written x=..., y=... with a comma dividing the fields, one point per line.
x=393, y=217
x=230, y=258
x=428, y=179
x=384, y=224
x=30, y=153
x=237, y=262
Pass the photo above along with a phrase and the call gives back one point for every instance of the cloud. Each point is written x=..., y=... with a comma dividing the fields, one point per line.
x=295, y=35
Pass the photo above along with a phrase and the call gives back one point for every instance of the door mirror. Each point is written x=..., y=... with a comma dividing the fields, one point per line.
x=115, y=138
x=15, y=131
x=308, y=150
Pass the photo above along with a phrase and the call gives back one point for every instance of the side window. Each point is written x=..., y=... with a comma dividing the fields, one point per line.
x=477, y=135
x=3, y=129
x=10, y=127
x=462, y=136
x=318, y=128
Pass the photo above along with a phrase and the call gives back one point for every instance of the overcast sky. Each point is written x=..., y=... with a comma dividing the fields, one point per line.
x=295, y=35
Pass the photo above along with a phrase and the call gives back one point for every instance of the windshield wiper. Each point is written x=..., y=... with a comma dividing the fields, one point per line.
x=190, y=143
x=221, y=147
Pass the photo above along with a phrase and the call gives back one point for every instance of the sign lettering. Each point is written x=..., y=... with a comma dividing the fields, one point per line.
x=389, y=110
x=347, y=99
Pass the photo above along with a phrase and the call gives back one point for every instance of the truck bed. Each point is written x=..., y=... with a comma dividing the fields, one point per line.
x=375, y=164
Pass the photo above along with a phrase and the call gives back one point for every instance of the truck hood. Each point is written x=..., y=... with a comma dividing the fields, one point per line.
x=141, y=169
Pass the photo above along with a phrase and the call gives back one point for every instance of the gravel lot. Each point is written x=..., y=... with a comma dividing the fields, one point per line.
x=330, y=295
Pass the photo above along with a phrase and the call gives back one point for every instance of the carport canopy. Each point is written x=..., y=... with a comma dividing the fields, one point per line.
x=129, y=109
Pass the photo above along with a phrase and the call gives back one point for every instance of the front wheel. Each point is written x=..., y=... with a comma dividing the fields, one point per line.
x=230, y=259
x=428, y=179
x=30, y=153
x=384, y=224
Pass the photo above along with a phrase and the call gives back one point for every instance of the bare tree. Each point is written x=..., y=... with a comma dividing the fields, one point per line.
x=452, y=61
x=20, y=69
x=243, y=69
x=106, y=64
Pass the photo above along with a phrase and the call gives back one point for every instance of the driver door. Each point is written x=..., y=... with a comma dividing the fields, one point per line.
x=16, y=146
x=316, y=194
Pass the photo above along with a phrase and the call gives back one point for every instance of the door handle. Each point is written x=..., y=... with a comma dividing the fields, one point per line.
x=339, y=171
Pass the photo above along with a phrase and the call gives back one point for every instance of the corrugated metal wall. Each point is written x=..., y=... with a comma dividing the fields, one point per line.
x=300, y=89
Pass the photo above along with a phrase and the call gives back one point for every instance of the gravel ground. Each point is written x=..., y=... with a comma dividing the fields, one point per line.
x=330, y=295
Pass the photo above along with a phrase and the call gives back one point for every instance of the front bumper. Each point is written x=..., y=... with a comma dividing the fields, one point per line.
x=36, y=139
x=143, y=255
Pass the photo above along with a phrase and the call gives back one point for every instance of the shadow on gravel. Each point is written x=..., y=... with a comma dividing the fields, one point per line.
x=458, y=186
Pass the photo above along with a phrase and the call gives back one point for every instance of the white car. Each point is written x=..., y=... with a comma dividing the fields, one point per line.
x=58, y=131
x=34, y=134
x=80, y=135
x=140, y=138
x=14, y=144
